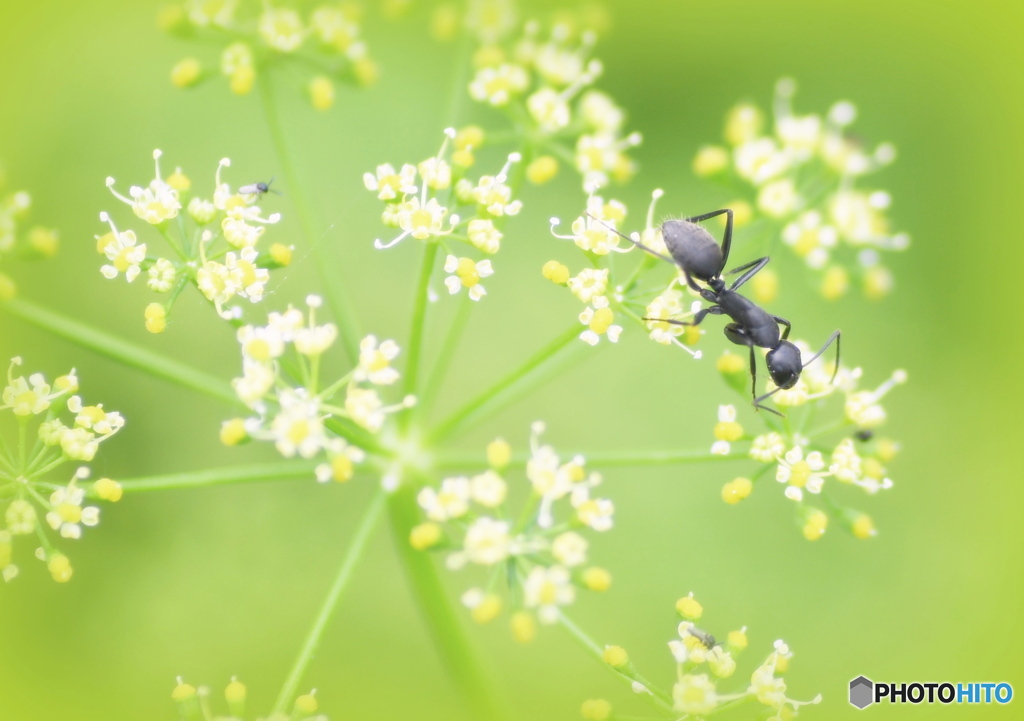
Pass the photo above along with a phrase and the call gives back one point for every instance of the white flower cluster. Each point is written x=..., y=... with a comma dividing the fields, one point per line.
x=24, y=473
x=292, y=410
x=547, y=82
x=804, y=173
x=543, y=550
x=222, y=272
x=803, y=463
x=330, y=38
x=419, y=200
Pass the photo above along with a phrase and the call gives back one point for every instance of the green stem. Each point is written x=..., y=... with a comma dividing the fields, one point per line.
x=419, y=315
x=123, y=351
x=505, y=390
x=330, y=605
x=657, y=697
x=436, y=609
x=281, y=471
x=456, y=460
x=327, y=266
x=448, y=348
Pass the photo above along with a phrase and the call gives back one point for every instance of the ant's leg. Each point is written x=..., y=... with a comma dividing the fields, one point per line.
x=753, y=375
x=637, y=243
x=789, y=327
x=758, y=406
x=726, y=237
x=697, y=319
x=755, y=268
x=833, y=337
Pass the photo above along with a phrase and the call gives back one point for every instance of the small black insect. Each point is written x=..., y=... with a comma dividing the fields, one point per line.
x=257, y=189
x=864, y=435
x=699, y=256
x=706, y=639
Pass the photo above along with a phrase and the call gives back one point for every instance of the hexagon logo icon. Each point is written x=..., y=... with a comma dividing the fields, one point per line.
x=861, y=692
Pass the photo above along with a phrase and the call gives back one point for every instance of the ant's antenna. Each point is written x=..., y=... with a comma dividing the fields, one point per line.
x=632, y=240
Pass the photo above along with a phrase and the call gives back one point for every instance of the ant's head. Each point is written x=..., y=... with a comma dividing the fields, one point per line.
x=784, y=364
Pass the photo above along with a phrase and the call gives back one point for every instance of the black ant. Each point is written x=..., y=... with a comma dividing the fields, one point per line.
x=698, y=255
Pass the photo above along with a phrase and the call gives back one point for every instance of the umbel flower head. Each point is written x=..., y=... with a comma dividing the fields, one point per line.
x=196, y=703
x=282, y=382
x=545, y=81
x=252, y=37
x=55, y=428
x=539, y=553
x=214, y=243
x=803, y=175
x=19, y=241
x=811, y=464
x=703, y=665
x=436, y=202
x=611, y=294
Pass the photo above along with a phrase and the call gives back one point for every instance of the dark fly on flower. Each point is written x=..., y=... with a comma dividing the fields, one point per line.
x=257, y=189
x=704, y=637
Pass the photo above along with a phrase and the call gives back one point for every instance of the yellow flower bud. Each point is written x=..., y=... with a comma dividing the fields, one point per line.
x=835, y=282
x=596, y=709
x=743, y=123
x=425, y=536
x=615, y=656
x=171, y=18
x=728, y=431
x=43, y=241
x=234, y=693
x=863, y=526
x=60, y=568
x=597, y=579
x=321, y=92
x=186, y=73
x=736, y=490
x=179, y=181
x=183, y=692
x=366, y=71
x=815, y=524
x=342, y=468
x=689, y=608
x=108, y=489
x=488, y=56
x=555, y=272
x=233, y=432
x=523, y=626
x=542, y=170
x=444, y=23
x=242, y=80
x=156, y=318
x=306, y=704
x=487, y=610
x=765, y=286
x=742, y=213
x=878, y=282
x=499, y=452
x=737, y=639
x=710, y=160
x=281, y=254
x=469, y=137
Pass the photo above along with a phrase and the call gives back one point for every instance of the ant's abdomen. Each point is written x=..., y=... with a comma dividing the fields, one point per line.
x=693, y=249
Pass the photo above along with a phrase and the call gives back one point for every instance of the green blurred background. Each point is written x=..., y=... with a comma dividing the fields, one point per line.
x=210, y=583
